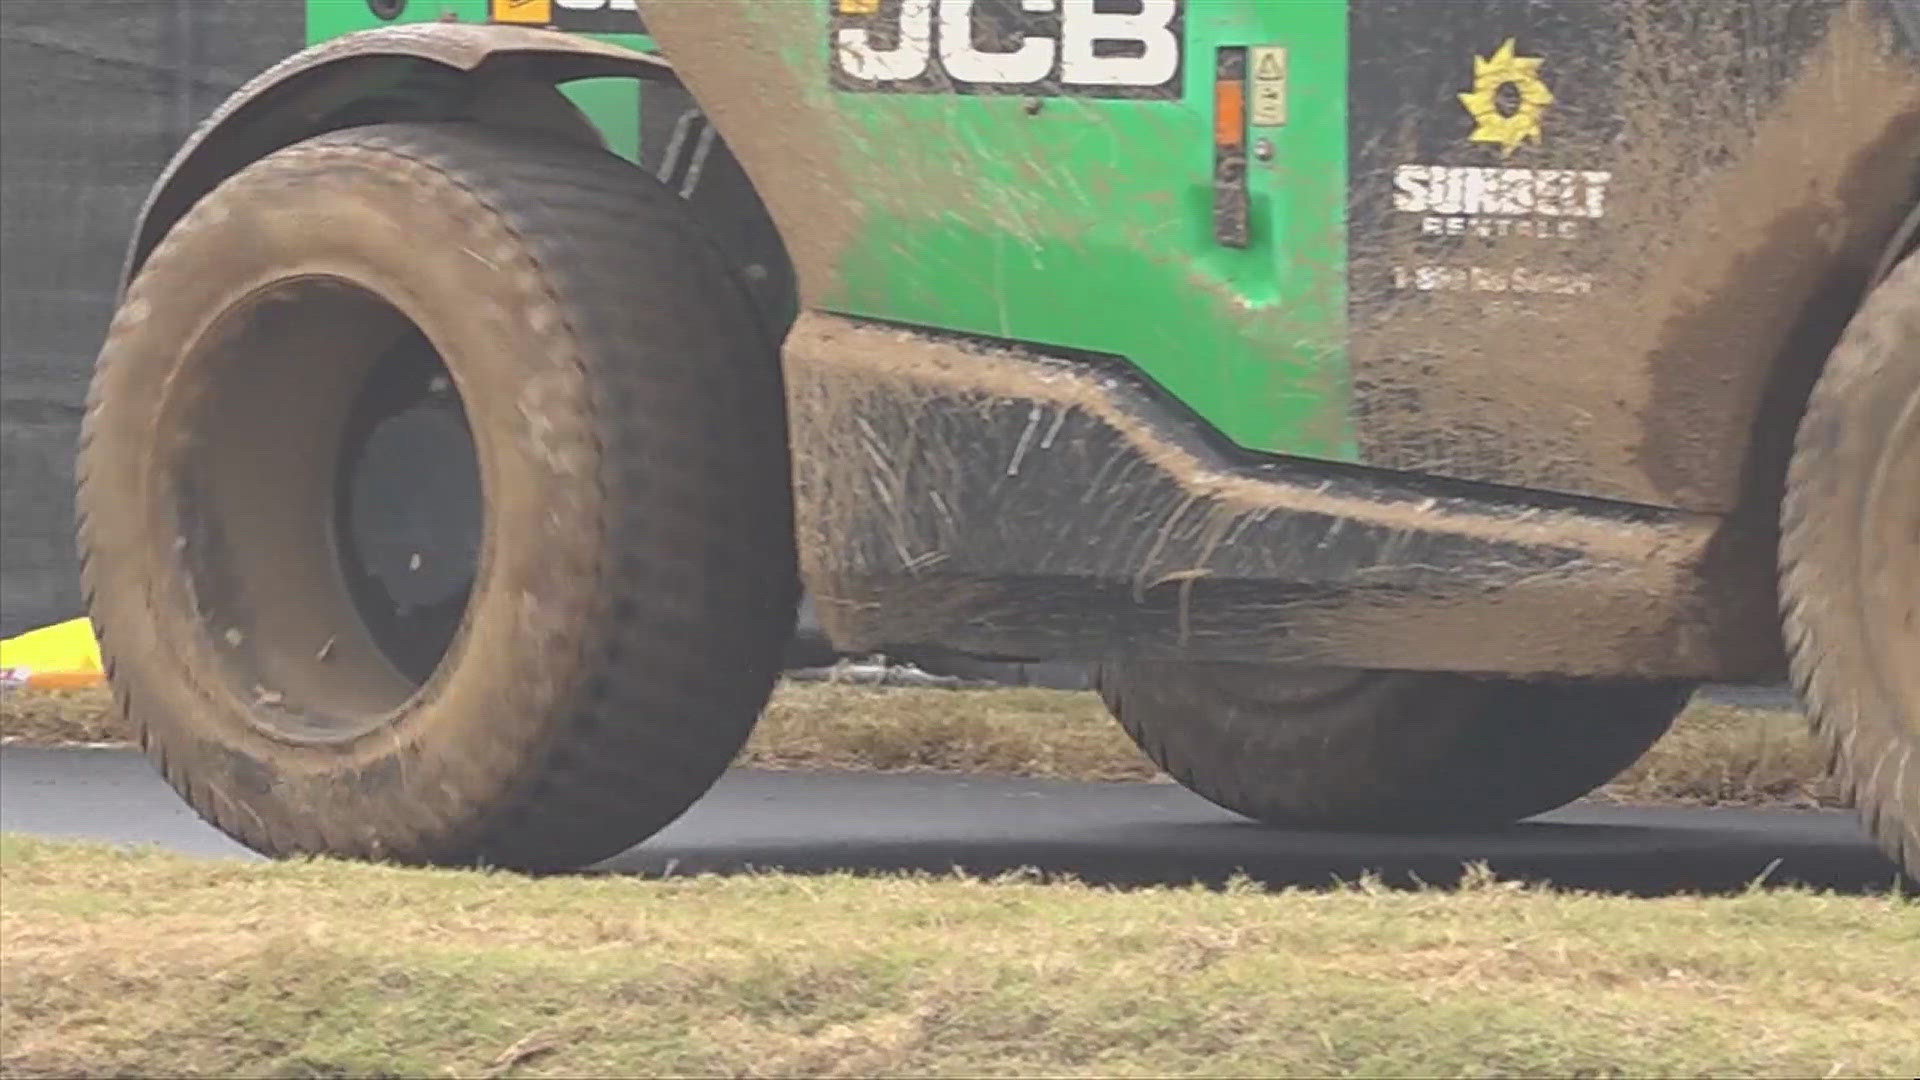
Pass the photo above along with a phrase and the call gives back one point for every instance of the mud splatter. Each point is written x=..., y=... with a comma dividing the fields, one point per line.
x=1241, y=565
x=733, y=63
x=1741, y=219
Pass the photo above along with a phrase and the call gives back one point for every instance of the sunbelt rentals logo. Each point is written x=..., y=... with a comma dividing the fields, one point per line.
x=1509, y=102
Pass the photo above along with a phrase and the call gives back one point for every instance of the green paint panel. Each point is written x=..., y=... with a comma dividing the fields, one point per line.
x=614, y=107
x=328, y=19
x=1088, y=225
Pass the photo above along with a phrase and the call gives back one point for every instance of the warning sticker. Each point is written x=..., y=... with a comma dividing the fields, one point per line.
x=1268, y=104
x=534, y=12
x=580, y=16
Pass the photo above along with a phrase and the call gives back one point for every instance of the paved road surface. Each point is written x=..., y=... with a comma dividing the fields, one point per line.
x=1115, y=833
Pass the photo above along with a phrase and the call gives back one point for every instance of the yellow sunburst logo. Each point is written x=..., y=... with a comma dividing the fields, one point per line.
x=1528, y=102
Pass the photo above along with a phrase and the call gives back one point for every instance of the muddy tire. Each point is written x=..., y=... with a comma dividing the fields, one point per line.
x=1322, y=748
x=1850, y=562
x=629, y=579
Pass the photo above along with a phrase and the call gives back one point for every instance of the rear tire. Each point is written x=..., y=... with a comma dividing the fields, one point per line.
x=1850, y=562
x=1325, y=748
x=629, y=570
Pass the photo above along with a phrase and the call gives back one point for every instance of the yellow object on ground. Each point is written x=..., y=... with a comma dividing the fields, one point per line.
x=52, y=657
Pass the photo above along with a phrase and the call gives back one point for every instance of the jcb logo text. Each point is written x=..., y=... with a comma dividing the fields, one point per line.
x=1090, y=48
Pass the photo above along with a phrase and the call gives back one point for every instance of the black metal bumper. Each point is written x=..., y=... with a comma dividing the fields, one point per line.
x=967, y=495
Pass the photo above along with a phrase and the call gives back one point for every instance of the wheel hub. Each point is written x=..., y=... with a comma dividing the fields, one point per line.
x=410, y=508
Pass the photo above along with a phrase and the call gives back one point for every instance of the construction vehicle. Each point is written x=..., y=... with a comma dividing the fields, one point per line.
x=1404, y=404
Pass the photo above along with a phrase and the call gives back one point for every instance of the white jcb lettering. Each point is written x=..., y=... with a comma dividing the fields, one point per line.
x=1048, y=46
x=906, y=60
x=1032, y=62
x=1151, y=27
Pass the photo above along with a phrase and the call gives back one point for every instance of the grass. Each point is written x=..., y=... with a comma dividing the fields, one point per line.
x=1721, y=755
x=1014, y=731
x=136, y=963
x=53, y=717
x=1716, y=754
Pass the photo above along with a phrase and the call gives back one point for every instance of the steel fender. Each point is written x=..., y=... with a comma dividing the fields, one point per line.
x=435, y=65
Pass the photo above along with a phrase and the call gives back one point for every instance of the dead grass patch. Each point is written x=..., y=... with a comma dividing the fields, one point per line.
x=134, y=963
x=1016, y=731
x=56, y=717
x=1725, y=755
x=1716, y=754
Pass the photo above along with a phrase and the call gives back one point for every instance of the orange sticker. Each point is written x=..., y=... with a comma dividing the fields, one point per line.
x=1229, y=113
x=531, y=12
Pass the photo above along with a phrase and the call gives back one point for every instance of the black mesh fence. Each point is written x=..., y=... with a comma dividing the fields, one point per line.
x=94, y=97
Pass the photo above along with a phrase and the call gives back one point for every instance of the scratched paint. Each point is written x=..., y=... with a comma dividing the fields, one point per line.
x=1086, y=224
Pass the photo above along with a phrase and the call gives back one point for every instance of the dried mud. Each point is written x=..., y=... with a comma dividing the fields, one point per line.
x=1752, y=192
x=1740, y=225
x=732, y=63
x=1747, y=206
x=1622, y=596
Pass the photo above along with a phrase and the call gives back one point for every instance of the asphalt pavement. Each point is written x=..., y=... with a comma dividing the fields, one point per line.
x=1121, y=834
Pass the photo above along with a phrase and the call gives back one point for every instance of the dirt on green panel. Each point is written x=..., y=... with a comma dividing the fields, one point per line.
x=1060, y=217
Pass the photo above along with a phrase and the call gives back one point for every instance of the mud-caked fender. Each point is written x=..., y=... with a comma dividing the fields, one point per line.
x=424, y=71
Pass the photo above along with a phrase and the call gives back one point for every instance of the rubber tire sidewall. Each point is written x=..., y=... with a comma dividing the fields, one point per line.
x=426, y=786
x=1871, y=377
x=1385, y=751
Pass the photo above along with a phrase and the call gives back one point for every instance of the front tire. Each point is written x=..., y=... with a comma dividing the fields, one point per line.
x=1329, y=748
x=1850, y=562
x=535, y=674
